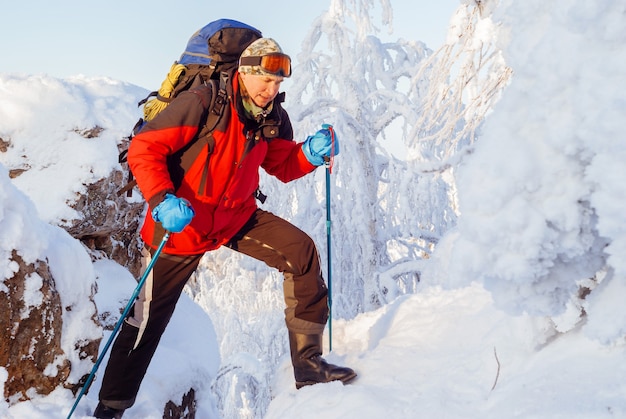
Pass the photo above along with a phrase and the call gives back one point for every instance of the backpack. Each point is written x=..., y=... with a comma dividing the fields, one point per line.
x=211, y=56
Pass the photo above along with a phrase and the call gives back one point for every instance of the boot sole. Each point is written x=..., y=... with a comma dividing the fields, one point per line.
x=345, y=380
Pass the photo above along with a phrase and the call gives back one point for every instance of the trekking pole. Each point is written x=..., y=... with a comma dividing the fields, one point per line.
x=142, y=281
x=328, y=163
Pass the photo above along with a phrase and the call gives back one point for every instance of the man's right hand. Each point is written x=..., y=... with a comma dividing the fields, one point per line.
x=173, y=213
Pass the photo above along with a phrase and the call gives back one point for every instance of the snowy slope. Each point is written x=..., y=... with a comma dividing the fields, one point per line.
x=493, y=331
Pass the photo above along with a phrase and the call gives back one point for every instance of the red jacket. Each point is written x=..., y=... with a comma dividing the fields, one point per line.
x=227, y=199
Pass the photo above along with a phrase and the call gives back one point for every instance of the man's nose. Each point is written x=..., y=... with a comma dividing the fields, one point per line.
x=272, y=89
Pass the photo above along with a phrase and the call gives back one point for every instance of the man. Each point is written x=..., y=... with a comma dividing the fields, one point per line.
x=212, y=204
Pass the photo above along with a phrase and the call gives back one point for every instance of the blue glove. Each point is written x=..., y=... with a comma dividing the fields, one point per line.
x=318, y=146
x=174, y=213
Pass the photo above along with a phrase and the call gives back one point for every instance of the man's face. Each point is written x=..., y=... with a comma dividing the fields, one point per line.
x=261, y=88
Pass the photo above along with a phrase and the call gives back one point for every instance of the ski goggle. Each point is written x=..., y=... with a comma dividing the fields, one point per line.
x=276, y=63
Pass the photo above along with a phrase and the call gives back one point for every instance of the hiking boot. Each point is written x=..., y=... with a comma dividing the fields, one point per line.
x=104, y=412
x=308, y=365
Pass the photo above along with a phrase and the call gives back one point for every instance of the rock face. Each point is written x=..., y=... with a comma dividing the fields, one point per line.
x=31, y=309
x=30, y=333
x=110, y=222
x=31, y=318
x=186, y=410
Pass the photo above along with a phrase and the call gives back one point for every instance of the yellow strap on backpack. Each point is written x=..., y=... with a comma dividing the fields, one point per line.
x=154, y=106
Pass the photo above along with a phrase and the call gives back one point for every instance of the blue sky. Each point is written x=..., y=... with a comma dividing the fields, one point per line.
x=137, y=40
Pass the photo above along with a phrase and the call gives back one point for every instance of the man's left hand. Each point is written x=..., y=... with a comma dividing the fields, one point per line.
x=320, y=145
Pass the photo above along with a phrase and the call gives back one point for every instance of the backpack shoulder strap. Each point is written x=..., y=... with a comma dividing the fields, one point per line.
x=221, y=91
x=220, y=94
x=214, y=110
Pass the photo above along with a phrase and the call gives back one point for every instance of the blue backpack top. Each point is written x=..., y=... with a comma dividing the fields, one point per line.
x=205, y=48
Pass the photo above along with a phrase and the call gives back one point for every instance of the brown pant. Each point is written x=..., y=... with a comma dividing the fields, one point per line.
x=265, y=237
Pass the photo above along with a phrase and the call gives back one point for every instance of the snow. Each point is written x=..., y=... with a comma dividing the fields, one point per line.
x=494, y=328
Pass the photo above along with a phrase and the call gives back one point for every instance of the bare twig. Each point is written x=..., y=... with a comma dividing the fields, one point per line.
x=495, y=354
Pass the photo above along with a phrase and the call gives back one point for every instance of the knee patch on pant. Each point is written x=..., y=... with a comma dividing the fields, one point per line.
x=307, y=304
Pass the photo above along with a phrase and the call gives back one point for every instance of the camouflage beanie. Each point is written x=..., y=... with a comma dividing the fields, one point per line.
x=259, y=48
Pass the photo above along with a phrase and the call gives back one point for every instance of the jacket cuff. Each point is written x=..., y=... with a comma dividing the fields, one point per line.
x=158, y=198
x=304, y=163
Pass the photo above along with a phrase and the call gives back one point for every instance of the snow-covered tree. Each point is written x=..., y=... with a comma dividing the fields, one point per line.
x=534, y=197
x=374, y=92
